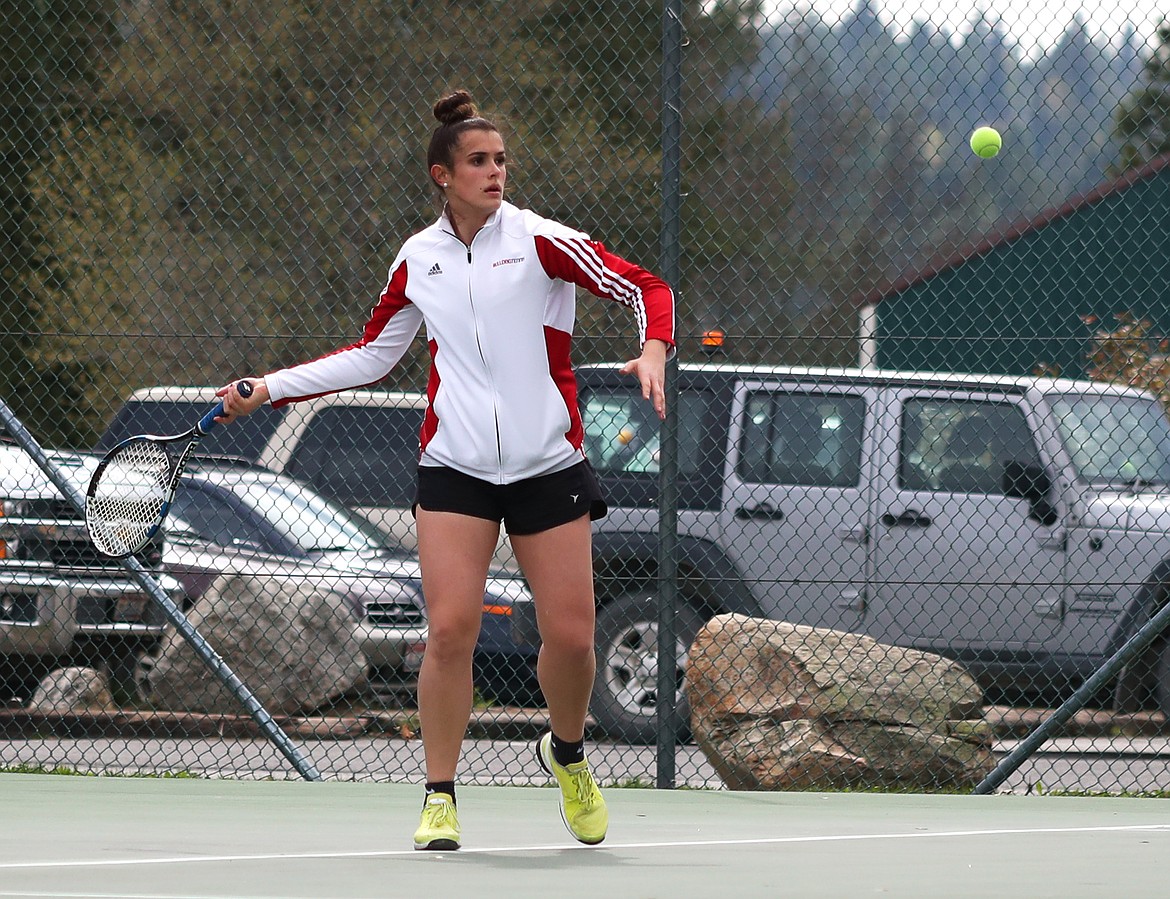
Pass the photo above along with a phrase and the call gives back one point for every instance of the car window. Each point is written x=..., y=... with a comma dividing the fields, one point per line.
x=307, y=519
x=361, y=455
x=960, y=446
x=804, y=439
x=212, y=519
x=621, y=430
x=244, y=438
x=1115, y=439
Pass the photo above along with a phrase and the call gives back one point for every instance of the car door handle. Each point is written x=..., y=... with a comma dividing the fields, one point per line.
x=765, y=511
x=853, y=535
x=911, y=518
x=1057, y=542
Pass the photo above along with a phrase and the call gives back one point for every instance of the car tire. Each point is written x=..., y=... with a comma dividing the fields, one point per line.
x=624, y=702
x=19, y=678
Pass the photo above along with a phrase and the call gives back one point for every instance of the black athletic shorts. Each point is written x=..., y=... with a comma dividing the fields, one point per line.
x=525, y=507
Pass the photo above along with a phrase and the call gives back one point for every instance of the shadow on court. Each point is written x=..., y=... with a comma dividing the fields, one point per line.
x=164, y=838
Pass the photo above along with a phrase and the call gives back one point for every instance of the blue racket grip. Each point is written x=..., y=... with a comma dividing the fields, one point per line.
x=207, y=422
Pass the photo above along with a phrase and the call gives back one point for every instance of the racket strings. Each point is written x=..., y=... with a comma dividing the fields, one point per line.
x=129, y=497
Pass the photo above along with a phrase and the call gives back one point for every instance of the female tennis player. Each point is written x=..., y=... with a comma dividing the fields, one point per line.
x=500, y=442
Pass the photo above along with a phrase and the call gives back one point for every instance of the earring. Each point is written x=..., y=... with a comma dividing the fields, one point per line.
x=443, y=184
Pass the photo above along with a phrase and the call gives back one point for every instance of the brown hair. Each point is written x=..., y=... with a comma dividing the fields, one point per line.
x=457, y=114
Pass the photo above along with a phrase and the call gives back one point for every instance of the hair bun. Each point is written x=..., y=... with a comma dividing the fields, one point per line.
x=455, y=107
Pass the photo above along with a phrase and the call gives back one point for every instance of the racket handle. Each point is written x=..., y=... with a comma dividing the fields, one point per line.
x=207, y=422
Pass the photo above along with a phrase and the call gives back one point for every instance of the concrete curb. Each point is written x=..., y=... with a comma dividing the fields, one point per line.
x=1010, y=723
x=497, y=724
x=505, y=723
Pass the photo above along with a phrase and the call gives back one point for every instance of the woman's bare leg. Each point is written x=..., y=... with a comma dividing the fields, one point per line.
x=558, y=564
x=455, y=552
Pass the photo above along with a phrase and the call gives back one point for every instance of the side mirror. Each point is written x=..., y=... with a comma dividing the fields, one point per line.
x=1028, y=482
x=1031, y=483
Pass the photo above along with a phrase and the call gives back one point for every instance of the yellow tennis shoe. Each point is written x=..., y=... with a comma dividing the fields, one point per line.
x=582, y=805
x=439, y=827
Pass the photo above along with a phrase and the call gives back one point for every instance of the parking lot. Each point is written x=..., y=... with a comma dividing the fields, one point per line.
x=1097, y=753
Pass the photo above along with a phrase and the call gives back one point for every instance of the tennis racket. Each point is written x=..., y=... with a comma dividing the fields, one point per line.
x=132, y=488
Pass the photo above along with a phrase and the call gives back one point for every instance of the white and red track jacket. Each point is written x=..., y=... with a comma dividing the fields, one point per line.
x=499, y=317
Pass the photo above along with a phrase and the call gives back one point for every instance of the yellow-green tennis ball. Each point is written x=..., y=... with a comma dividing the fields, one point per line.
x=985, y=141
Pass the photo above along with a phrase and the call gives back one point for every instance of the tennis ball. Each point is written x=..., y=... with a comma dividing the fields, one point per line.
x=985, y=141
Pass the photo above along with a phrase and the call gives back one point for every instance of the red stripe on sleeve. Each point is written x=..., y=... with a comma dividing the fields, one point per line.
x=392, y=300
x=588, y=264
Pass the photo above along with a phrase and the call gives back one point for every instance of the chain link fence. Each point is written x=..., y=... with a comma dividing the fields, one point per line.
x=913, y=489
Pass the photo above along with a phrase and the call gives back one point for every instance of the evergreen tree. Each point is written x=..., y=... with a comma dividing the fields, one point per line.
x=19, y=144
x=1143, y=121
x=43, y=52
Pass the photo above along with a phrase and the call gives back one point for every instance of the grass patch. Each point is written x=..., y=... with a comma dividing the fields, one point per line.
x=1038, y=789
x=71, y=772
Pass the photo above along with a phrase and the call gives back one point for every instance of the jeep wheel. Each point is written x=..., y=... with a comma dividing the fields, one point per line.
x=625, y=691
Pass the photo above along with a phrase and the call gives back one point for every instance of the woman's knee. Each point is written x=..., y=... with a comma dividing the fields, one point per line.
x=569, y=644
x=453, y=640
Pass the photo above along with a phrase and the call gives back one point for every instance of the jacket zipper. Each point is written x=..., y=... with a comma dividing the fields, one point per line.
x=486, y=368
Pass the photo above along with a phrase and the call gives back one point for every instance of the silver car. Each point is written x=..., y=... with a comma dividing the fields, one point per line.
x=231, y=518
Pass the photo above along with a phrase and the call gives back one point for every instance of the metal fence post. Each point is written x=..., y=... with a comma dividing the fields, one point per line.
x=668, y=490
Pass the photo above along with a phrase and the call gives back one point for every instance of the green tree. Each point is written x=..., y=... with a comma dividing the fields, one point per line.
x=44, y=48
x=1143, y=120
x=615, y=48
x=279, y=165
x=231, y=196
x=20, y=142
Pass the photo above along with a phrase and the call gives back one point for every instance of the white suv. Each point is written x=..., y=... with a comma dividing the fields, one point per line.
x=1018, y=525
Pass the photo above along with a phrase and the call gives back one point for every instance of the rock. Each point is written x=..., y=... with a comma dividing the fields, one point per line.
x=292, y=643
x=778, y=706
x=72, y=690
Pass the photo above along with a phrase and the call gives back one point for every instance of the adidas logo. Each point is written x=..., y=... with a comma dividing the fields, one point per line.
x=435, y=270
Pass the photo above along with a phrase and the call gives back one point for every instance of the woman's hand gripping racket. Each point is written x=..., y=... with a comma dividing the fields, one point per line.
x=132, y=488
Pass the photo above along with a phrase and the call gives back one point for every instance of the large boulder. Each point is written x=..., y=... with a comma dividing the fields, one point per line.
x=75, y=689
x=292, y=643
x=778, y=706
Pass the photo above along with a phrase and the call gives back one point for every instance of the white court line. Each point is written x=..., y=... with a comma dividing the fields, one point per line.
x=57, y=894
x=390, y=853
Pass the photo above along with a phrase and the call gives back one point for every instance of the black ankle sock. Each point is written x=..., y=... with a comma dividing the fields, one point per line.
x=566, y=753
x=440, y=786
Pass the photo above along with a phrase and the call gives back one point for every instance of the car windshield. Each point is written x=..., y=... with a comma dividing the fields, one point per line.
x=1115, y=439
x=309, y=520
x=622, y=434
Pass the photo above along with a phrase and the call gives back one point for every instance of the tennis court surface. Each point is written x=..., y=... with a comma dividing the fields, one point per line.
x=163, y=838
